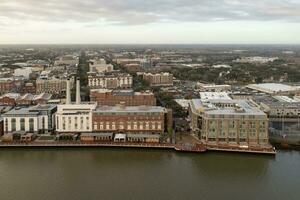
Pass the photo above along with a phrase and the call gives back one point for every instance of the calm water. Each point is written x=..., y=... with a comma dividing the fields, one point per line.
x=128, y=174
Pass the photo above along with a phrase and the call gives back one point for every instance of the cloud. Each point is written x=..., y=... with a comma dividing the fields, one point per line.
x=135, y=12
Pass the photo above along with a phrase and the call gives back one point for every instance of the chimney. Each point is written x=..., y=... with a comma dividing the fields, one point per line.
x=68, y=93
x=78, y=100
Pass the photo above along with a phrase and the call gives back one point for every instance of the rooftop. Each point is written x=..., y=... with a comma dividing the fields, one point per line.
x=272, y=88
x=214, y=95
x=226, y=107
x=126, y=109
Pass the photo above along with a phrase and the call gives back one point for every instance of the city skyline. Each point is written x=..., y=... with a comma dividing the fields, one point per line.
x=155, y=22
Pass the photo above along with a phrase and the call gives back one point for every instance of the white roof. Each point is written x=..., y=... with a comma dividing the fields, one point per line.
x=285, y=99
x=214, y=95
x=273, y=87
x=120, y=136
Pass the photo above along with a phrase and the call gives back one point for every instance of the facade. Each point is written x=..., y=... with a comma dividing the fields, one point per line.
x=110, y=81
x=54, y=86
x=36, y=119
x=161, y=79
x=133, y=119
x=74, y=118
x=236, y=122
x=105, y=97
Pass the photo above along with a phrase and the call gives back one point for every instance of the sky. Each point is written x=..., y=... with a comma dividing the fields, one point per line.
x=150, y=22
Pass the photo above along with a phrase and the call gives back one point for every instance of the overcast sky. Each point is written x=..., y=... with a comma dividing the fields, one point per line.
x=149, y=21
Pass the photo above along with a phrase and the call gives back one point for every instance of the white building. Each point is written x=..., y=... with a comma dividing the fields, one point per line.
x=25, y=72
x=114, y=81
x=74, y=117
x=100, y=66
x=36, y=119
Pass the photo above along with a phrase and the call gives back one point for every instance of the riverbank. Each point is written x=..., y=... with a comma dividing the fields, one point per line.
x=182, y=147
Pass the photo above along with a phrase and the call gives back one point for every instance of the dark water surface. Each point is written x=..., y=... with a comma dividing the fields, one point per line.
x=127, y=174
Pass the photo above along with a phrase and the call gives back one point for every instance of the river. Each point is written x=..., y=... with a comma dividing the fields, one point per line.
x=128, y=174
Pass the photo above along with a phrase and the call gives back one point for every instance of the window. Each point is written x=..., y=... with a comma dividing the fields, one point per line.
x=31, y=125
x=22, y=124
x=13, y=124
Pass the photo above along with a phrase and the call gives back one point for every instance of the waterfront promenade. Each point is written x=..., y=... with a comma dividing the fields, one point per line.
x=182, y=147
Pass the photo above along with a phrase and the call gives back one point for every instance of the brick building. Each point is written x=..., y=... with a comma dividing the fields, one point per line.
x=132, y=67
x=54, y=86
x=133, y=119
x=105, y=97
x=9, y=85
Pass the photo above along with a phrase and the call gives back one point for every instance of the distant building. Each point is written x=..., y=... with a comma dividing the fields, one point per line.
x=100, y=66
x=132, y=67
x=12, y=99
x=24, y=72
x=106, y=97
x=110, y=81
x=236, y=122
x=256, y=59
x=161, y=79
x=278, y=109
x=67, y=60
x=54, y=86
x=275, y=88
x=29, y=88
x=37, y=119
x=214, y=96
x=213, y=88
x=9, y=85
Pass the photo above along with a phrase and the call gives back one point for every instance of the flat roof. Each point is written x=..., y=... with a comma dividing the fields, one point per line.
x=123, y=109
x=225, y=107
x=214, y=95
x=271, y=88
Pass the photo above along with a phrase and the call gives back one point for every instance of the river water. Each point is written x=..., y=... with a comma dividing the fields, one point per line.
x=128, y=174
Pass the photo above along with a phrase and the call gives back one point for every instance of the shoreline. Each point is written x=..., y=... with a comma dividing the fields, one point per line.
x=185, y=148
